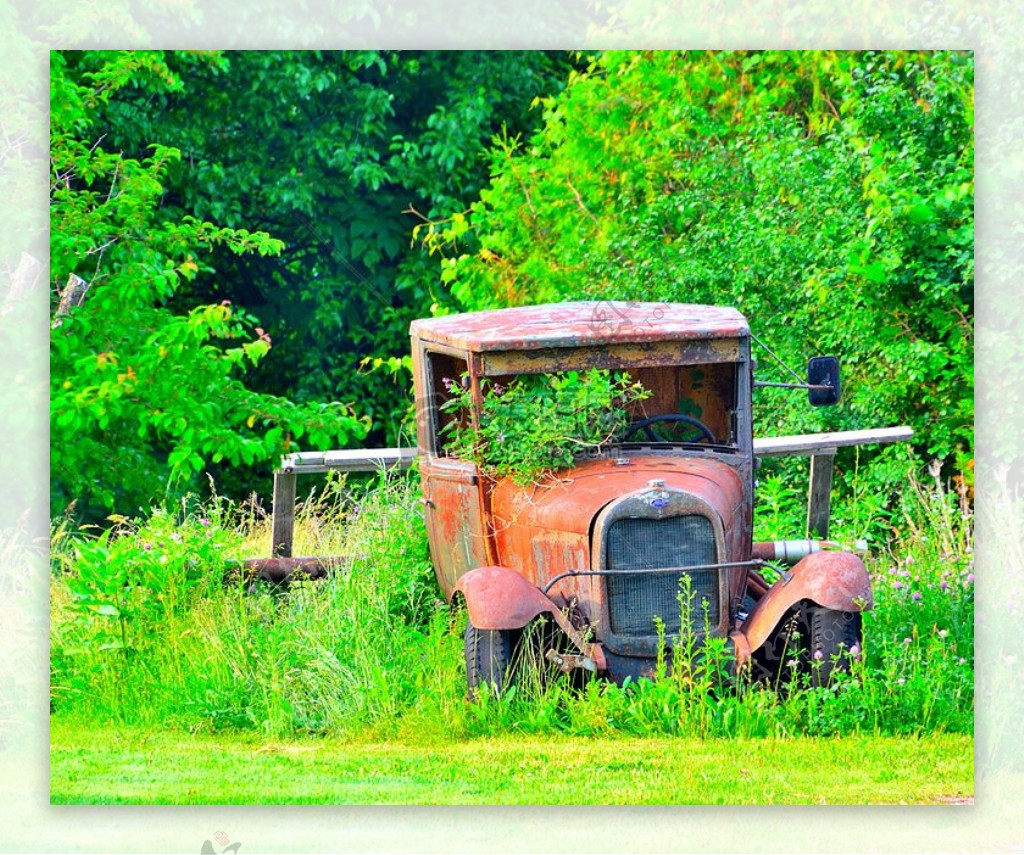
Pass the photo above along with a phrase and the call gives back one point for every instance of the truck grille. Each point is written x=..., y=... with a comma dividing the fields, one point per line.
x=646, y=544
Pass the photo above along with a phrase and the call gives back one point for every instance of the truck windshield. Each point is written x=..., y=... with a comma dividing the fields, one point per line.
x=592, y=409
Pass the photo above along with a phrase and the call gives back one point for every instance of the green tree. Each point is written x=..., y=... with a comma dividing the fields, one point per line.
x=339, y=154
x=147, y=388
x=828, y=195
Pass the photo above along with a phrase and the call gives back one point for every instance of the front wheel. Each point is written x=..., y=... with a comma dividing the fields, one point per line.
x=488, y=658
x=834, y=642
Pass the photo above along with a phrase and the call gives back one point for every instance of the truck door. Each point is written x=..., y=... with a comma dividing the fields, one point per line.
x=453, y=508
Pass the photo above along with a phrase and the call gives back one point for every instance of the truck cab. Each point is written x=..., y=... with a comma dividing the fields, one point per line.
x=641, y=540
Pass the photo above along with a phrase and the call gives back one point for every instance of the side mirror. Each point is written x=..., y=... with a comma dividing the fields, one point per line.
x=823, y=371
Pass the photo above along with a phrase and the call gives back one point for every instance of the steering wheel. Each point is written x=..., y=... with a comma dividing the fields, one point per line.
x=645, y=426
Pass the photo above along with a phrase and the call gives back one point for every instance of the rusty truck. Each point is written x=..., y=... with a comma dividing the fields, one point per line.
x=600, y=551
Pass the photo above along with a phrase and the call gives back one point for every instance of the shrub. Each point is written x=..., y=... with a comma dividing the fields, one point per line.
x=373, y=651
x=538, y=423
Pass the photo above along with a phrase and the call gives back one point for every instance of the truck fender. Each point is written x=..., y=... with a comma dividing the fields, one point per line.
x=499, y=598
x=835, y=580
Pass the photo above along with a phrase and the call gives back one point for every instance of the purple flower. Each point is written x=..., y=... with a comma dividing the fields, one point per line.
x=970, y=578
x=943, y=584
x=897, y=585
x=819, y=655
x=916, y=596
x=855, y=651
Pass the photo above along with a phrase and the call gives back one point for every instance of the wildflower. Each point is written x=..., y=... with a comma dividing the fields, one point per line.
x=915, y=596
x=943, y=584
x=791, y=663
x=943, y=633
x=819, y=655
x=963, y=661
x=906, y=641
x=970, y=578
x=892, y=571
x=904, y=573
x=901, y=681
x=897, y=585
x=204, y=522
x=855, y=651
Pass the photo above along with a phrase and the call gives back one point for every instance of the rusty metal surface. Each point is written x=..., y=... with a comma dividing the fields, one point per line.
x=454, y=510
x=634, y=356
x=500, y=598
x=570, y=503
x=835, y=580
x=542, y=531
x=566, y=662
x=282, y=571
x=790, y=551
x=567, y=325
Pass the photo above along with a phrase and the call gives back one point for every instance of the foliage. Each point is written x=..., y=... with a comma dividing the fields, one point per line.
x=826, y=194
x=338, y=154
x=136, y=574
x=146, y=385
x=373, y=651
x=347, y=654
x=538, y=423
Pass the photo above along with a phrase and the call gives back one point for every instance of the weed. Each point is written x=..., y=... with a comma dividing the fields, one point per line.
x=582, y=412
x=143, y=631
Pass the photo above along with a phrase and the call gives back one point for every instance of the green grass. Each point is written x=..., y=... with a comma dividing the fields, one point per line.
x=99, y=765
x=144, y=633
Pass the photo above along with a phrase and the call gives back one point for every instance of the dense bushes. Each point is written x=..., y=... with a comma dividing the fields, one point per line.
x=373, y=651
x=827, y=195
x=313, y=165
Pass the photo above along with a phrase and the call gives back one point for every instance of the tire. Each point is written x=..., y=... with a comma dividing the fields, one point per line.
x=834, y=642
x=488, y=658
x=782, y=655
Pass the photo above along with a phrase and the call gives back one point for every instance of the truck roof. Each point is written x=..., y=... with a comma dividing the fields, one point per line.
x=580, y=324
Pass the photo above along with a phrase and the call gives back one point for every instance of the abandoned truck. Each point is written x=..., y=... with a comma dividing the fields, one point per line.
x=603, y=548
x=639, y=540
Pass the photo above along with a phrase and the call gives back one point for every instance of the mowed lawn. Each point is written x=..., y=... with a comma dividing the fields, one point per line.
x=104, y=765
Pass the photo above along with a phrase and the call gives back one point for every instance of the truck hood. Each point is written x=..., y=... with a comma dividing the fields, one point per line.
x=569, y=502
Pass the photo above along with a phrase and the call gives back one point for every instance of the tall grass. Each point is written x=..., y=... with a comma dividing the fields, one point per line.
x=373, y=652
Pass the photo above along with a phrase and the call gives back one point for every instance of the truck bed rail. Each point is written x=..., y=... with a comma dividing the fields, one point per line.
x=820, y=447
